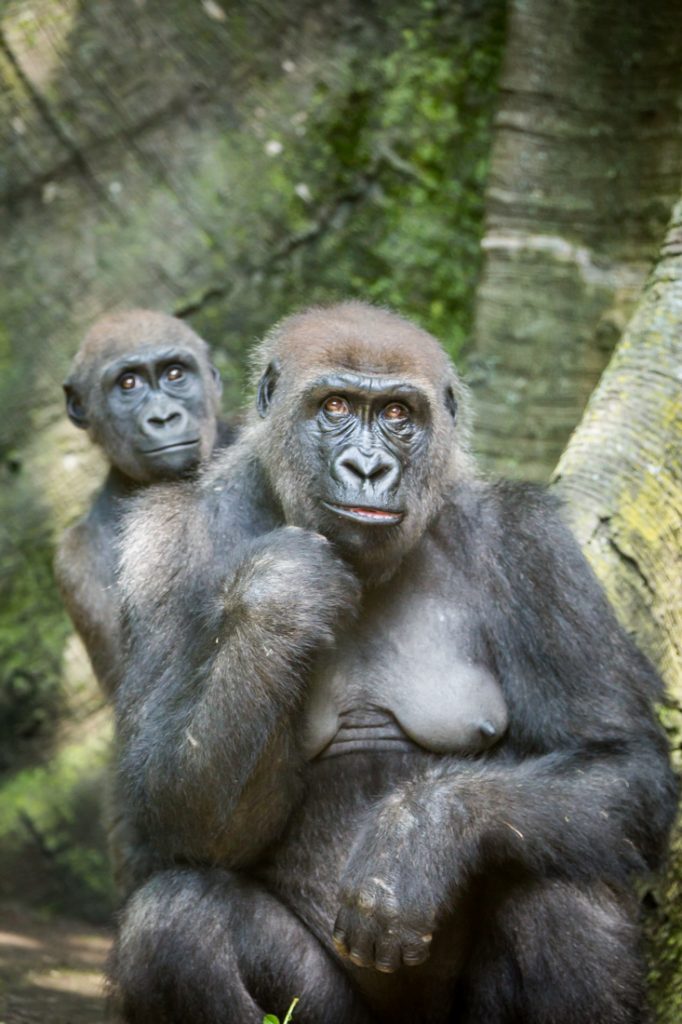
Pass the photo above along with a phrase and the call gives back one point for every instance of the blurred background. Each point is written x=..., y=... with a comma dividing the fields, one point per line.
x=508, y=174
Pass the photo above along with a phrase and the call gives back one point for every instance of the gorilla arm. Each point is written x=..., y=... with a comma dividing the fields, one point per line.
x=85, y=574
x=217, y=644
x=581, y=788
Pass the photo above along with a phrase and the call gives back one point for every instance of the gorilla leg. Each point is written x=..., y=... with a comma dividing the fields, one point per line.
x=208, y=947
x=553, y=953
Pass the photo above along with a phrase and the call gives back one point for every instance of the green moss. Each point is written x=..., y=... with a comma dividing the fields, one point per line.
x=361, y=173
x=664, y=933
x=383, y=164
x=33, y=625
x=50, y=829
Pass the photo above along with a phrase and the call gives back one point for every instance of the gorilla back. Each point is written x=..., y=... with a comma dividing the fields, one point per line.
x=385, y=744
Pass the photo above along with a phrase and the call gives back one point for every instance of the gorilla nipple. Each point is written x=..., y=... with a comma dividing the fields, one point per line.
x=487, y=729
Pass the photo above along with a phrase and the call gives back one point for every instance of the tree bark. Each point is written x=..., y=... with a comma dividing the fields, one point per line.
x=621, y=476
x=621, y=473
x=585, y=170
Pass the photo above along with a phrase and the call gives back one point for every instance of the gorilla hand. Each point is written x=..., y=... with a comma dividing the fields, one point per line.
x=390, y=891
x=293, y=586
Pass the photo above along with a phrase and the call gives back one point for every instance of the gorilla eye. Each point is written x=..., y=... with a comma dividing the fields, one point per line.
x=174, y=373
x=336, y=406
x=127, y=381
x=396, y=412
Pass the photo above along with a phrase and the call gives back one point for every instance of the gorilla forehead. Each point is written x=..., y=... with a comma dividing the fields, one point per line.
x=355, y=336
x=115, y=335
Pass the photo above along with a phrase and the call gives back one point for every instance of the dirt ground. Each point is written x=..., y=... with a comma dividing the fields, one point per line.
x=51, y=969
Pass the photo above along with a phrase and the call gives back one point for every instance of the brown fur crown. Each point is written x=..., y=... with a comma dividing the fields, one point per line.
x=356, y=336
x=117, y=333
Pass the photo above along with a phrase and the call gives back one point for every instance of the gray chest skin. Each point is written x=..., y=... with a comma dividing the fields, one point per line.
x=409, y=671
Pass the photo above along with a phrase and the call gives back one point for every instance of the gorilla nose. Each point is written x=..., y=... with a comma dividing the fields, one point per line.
x=163, y=420
x=164, y=417
x=355, y=468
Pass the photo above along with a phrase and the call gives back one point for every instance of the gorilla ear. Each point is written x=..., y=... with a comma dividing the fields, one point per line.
x=266, y=388
x=217, y=379
x=75, y=408
x=451, y=402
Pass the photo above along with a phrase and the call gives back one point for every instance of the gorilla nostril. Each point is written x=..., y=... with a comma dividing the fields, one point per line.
x=352, y=467
x=365, y=467
x=356, y=467
x=163, y=421
x=375, y=472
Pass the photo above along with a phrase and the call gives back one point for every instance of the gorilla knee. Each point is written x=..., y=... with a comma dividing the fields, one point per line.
x=173, y=961
x=576, y=951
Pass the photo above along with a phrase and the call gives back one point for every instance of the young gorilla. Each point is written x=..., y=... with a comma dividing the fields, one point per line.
x=389, y=750
x=143, y=386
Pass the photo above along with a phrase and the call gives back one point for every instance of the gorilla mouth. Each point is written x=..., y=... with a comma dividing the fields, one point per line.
x=366, y=514
x=176, y=446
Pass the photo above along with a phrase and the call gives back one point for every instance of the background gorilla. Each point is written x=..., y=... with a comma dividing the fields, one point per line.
x=386, y=744
x=143, y=386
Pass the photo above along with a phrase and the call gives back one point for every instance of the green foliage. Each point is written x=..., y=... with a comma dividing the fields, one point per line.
x=270, y=1018
x=33, y=626
x=371, y=170
x=51, y=837
x=430, y=141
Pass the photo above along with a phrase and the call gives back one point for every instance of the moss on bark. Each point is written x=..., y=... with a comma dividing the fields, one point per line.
x=621, y=476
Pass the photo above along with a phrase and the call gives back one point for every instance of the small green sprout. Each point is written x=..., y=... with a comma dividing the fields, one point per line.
x=270, y=1018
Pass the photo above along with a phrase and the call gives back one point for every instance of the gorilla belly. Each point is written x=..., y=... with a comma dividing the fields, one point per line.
x=362, y=729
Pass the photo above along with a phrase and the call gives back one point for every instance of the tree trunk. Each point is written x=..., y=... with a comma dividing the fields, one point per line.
x=585, y=169
x=621, y=476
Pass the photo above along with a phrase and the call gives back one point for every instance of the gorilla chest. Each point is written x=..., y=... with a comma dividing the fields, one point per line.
x=406, y=677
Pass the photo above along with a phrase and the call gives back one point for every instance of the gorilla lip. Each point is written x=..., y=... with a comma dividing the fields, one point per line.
x=172, y=447
x=366, y=514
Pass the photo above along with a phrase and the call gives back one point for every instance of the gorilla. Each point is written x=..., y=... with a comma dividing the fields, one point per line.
x=143, y=386
x=380, y=735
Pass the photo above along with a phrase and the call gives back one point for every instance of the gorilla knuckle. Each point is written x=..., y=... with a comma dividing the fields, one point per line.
x=386, y=967
x=366, y=901
x=413, y=956
x=358, y=958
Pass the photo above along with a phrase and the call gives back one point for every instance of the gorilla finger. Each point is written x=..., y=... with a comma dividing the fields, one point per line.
x=387, y=954
x=417, y=951
x=341, y=943
x=362, y=952
x=343, y=929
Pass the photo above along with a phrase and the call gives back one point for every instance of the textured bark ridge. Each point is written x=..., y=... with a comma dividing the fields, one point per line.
x=621, y=476
x=585, y=170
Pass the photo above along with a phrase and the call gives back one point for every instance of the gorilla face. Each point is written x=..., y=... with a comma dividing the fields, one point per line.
x=152, y=410
x=363, y=436
x=358, y=462
x=358, y=429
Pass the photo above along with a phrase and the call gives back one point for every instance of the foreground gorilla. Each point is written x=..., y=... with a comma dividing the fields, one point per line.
x=386, y=744
x=143, y=386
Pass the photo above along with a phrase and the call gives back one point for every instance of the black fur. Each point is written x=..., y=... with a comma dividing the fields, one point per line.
x=314, y=821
